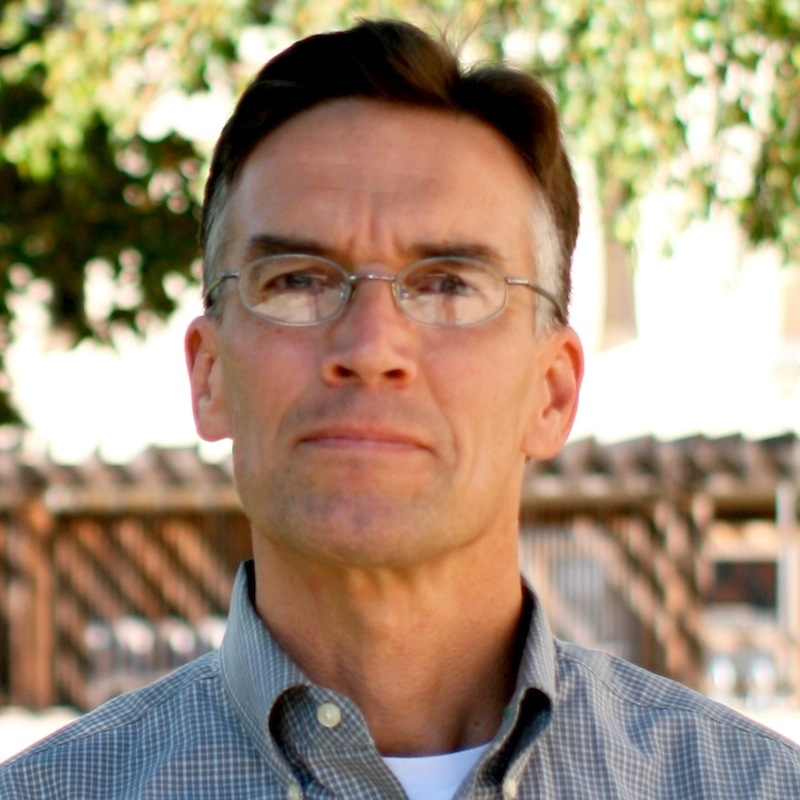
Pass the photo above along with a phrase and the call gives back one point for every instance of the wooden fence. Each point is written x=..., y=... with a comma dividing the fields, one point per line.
x=112, y=575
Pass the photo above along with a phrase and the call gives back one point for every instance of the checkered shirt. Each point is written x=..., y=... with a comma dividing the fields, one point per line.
x=244, y=723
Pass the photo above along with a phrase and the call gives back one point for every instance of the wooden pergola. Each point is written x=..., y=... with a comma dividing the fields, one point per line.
x=667, y=519
x=642, y=525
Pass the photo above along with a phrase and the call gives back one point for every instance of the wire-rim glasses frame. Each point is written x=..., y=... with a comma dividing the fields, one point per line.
x=302, y=290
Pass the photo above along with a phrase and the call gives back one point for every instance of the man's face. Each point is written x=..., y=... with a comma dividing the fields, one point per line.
x=372, y=440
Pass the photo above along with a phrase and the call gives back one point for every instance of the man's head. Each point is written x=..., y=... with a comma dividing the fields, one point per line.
x=392, y=429
x=396, y=63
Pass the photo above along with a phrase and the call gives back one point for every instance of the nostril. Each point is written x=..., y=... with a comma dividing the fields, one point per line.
x=341, y=371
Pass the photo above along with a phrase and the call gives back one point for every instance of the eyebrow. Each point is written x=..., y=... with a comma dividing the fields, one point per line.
x=459, y=249
x=269, y=244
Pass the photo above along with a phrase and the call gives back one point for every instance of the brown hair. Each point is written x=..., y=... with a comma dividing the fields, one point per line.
x=396, y=62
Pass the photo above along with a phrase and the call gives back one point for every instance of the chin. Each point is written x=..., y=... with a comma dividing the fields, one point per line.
x=359, y=535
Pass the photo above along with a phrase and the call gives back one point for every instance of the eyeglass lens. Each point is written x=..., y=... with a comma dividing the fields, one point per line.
x=304, y=290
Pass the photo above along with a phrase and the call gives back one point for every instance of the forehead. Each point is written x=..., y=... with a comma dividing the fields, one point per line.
x=362, y=175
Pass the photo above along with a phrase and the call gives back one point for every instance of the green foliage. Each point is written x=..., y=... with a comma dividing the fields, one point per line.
x=79, y=182
x=702, y=95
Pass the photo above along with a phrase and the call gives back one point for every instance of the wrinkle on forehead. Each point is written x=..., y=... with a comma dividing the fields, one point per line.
x=368, y=179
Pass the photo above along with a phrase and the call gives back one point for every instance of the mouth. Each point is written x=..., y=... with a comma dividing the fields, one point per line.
x=347, y=437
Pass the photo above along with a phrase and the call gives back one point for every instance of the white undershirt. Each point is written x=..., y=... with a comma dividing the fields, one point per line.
x=434, y=777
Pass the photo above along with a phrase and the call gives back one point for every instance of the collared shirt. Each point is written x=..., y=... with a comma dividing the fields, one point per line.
x=246, y=724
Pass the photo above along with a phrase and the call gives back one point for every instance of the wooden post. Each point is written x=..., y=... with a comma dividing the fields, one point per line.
x=31, y=625
x=788, y=578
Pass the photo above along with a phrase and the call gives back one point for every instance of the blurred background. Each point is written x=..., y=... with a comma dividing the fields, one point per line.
x=673, y=508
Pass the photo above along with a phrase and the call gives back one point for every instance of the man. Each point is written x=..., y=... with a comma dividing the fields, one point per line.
x=387, y=244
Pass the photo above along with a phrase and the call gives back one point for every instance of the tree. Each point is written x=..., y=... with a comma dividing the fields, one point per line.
x=690, y=94
x=82, y=186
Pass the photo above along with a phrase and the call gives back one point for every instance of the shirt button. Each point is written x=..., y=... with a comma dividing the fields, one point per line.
x=510, y=789
x=329, y=715
x=294, y=792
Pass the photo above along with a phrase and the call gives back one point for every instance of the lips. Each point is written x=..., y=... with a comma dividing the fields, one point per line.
x=362, y=436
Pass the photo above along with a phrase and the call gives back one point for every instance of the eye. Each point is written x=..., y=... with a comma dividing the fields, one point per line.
x=292, y=275
x=446, y=279
x=296, y=281
x=447, y=283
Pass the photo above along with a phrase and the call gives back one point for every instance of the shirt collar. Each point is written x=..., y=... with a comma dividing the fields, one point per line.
x=537, y=669
x=530, y=711
x=258, y=672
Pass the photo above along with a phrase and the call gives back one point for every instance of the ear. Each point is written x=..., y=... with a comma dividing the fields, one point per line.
x=209, y=402
x=557, y=400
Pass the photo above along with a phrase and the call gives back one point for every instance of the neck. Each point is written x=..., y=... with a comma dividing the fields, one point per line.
x=429, y=654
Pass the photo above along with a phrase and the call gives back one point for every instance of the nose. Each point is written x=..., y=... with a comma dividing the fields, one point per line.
x=372, y=343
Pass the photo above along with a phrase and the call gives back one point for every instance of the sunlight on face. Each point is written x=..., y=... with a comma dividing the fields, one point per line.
x=370, y=436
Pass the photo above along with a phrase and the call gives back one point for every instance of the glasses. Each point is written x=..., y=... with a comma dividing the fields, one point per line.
x=443, y=292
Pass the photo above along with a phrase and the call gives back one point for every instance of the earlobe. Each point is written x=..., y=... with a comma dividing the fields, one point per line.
x=205, y=379
x=561, y=375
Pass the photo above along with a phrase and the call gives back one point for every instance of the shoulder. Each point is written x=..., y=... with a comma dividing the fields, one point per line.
x=131, y=711
x=650, y=718
x=166, y=722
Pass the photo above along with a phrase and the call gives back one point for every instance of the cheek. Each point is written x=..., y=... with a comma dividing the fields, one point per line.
x=268, y=373
x=256, y=413
x=490, y=404
x=251, y=386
